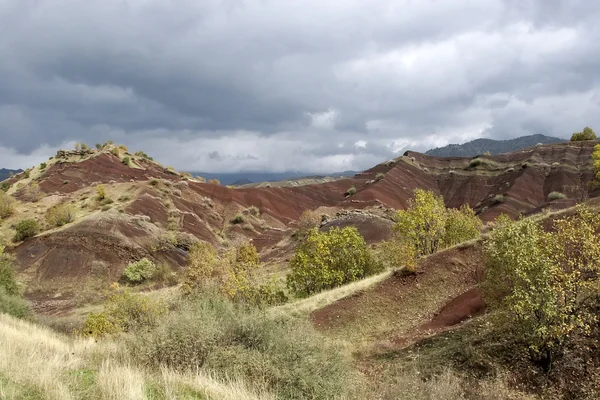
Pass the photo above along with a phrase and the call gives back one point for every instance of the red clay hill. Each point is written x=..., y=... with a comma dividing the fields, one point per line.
x=150, y=208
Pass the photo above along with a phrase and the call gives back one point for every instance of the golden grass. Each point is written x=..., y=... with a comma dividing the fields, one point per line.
x=320, y=300
x=46, y=362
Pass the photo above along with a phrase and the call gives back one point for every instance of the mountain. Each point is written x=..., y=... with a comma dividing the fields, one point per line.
x=5, y=173
x=232, y=178
x=481, y=146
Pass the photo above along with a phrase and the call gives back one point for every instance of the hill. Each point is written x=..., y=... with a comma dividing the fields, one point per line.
x=481, y=146
x=230, y=178
x=125, y=207
x=6, y=173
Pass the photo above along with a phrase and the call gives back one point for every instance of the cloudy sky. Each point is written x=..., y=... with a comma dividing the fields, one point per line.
x=276, y=85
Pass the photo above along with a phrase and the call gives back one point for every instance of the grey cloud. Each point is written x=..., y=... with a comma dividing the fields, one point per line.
x=300, y=82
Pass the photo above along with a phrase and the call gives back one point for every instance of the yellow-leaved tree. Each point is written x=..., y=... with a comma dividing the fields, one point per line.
x=201, y=262
x=423, y=224
x=427, y=226
x=328, y=259
x=540, y=281
x=596, y=159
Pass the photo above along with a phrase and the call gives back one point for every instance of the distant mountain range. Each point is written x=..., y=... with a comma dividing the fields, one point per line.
x=241, y=178
x=480, y=146
x=5, y=173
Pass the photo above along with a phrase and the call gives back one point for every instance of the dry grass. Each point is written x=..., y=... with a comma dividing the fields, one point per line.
x=320, y=300
x=37, y=363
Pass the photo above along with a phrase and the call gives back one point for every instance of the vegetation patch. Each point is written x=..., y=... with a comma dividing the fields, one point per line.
x=25, y=228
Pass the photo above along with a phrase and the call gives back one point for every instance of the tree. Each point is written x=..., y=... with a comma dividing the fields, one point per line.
x=202, y=260
x=424, y=222
x=461, y=225
x=325, y=260
x=587, y=134
x=596, y=159
x=539, y=281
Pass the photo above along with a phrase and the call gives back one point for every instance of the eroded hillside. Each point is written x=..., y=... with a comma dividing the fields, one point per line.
x=150, y=210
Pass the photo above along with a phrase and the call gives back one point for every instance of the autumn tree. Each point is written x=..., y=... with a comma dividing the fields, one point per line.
x=461, y=225
x=328, y=259
x=596, y=159
x=424, y=222
x=539, y=281
x=201, y=262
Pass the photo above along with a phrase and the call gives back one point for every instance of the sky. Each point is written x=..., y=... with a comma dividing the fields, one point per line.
x=311, y=85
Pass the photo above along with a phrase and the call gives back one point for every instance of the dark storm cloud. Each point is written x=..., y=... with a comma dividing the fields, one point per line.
x=229, y=85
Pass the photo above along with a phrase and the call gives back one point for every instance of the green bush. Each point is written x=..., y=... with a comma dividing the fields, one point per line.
x=43, y=165
x=5, y=186
x=10, y=298
x=7, y=275
x=587, y=134
x=13, y=305
x=126, y=160
x=139, y=271
x=124, y=312
x=60, y=214
x=351, y=191
x=7, y=205
x=229, y=341
x=556, y=196
x=238, y=219
x=325, y=260
x=499, y=198
x=25, y=228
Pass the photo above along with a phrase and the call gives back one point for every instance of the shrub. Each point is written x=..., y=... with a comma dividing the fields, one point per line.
x=7, y=205
x=540, y=281
x=115, y=152
x=14, y=305
x=60, y=214
x=238, y=219
x=499, y=198
x=476, y=162
x=587, y=134
x=139, y=271
x=98, y=146
x=25, y=228
x=351, y=191
x=396, y=253
x=461, y=225
x=100, y=192
x=235, y=342
x=153, y=182
x=126, y=160
x=596, y=159
x=201, y=262
x=143, y=155
x=307, y=221
x=5, y=186
x=325, y=260
x=43, y=165
x=252, y=210
x=124, y=197
x=124, y=312
x=32, y=192
x=556, y=196
x=380, y=176
x=214, y=182
x=8, y=283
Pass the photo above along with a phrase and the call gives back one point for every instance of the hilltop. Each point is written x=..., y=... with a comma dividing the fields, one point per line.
x=482, y=146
